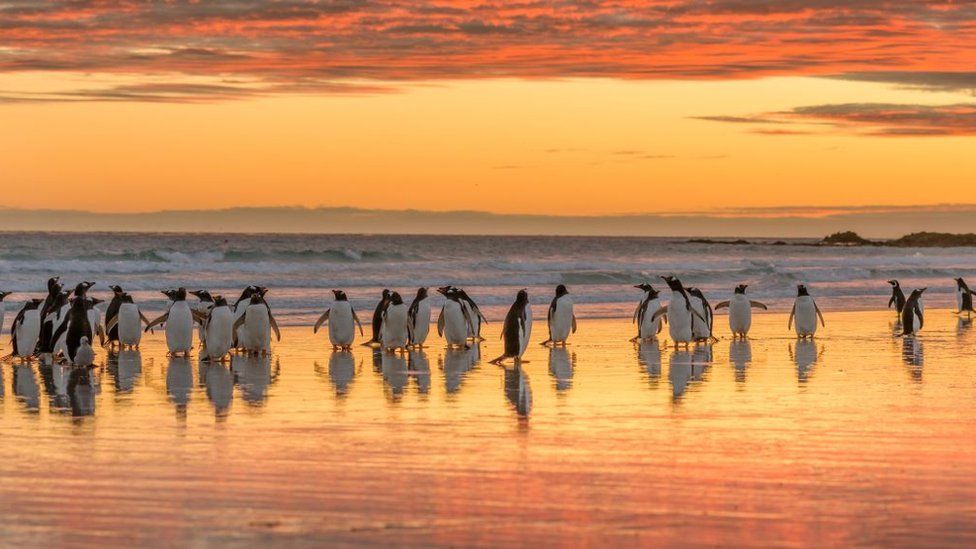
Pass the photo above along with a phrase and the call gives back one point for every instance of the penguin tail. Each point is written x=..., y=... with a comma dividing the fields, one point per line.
x=498, y=360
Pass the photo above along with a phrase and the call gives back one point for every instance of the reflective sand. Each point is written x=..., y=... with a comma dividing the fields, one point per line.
x=856, y=438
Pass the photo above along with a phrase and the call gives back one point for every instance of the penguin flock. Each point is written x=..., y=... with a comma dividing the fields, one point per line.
x=63, y=326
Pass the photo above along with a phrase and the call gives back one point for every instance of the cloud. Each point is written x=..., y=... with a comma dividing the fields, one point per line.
x=289, y=46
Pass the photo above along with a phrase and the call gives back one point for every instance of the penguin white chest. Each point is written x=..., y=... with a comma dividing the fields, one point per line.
x=701, y=329
x=257, y=328
x=129, y=328
x=475, y=320
x=679, y=319
x=421, y=322
x=740, y=314
x=455, y=327
x=649, y=328
x=561, y=323
x=394, y=331
x=179, y=328
x=84, y=355
x=27, y=333
x=805, y=316
x=525, y=332
x=341, y=324
x=219, y=334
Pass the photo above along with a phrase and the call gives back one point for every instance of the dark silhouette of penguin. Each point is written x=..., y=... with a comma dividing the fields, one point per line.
x=897, y=297
x=912, y=317
x=112, y=311
x=517, y=328
x=964, y=298
x=378, y=319
x=78, y=331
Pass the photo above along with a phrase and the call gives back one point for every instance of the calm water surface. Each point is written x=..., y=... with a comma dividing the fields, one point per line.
x=857, y=438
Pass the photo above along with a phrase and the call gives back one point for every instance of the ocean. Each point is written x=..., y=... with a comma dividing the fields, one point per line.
x=300, y=270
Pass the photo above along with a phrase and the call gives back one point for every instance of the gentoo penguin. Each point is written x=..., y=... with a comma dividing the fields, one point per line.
x=95, y=319
x=3, y=307
x=394, y=332
x=342, y=321
x=912, y=315
x=477, y=319
x=218, y=330
x=647, y=326
x=256, y=325
x=111, y=311
x=454, y=321
x=25, y=329
x=897, y=297
x=806, y=312
x=517, y=329
x=202, y=307
x=239, y=307
x=701, y=329
x=377, y=324
x=51, y=307
x=77, y=332
x=127, y=323
x=740, y=311
x=561, y=318
x=80, y=293
x=418, y=318
x=964, y=298
x=179, y=323
x=679, y=313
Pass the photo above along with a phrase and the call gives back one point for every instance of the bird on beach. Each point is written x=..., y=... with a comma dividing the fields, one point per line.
x=418, y=319
x=912, y=315
x=454, y=322
x=560, y=317
x=517, y=329
x=218, y=330
x=647, y=325
x=202, y=307
x=897, y=297
x=77, y=331
x=680, y=313
x=240, y=306
x=50, y=309
x=740, y=311
x=126, y=324
x=394, y=332
x=256, y=324
x=111, y=312
x=964, y=298
x=701, y=329
x=179, y=323
x=477, y=319
x=806, y=312
x=342, y=321
x=25, y=330
x=377, y=324
x=3, y=307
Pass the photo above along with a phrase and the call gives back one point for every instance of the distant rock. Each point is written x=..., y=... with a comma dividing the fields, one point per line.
x=934, y=240
x=846, y=238
x=739, y=242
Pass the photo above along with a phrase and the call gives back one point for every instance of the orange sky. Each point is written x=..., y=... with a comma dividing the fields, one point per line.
x=596, y=108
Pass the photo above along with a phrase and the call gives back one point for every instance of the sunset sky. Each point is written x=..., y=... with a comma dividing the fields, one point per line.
x=582, y=108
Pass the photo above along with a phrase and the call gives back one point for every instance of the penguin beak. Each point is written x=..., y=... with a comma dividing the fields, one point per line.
x=922, y=290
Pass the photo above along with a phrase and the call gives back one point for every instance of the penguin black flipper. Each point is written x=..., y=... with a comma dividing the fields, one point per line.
x=921, y=316
x=61, y=329
x=819, y=314
x=789, y=324
x=162, y=319
x=322, y=319
x=721, y=305
x=274, y=325
x=440, y=323
x=356, y=320
x=758, y=305
x=659, y=313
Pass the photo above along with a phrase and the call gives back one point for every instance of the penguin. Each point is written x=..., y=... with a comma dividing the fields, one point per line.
x=680, y=313
x=647, y=326
x=127, y=323
x=202, y=307
x=454, y=320
x=964, y=298
x=3, y=308
x=342, y=321
x=77, y=332
x=179, y=323
x=25, y=329
x=256, y=325
x=517, y=329
x=701, y=329
x=111, y=311
x=418, y=318
x=912, y=315
x=740, y=311
x=806, y=312
x=218, y=330
x=240, y=306
x=377, y=324
x=477, y=319
x=394, y=332
x=80, y=293
x=897, y=297
x=50, y=307
x=95, y=319
x=561, y=319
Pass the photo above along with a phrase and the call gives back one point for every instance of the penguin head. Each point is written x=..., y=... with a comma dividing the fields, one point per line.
x=386, y=294
x=645, y=286
x=3, y=295
x=262, y=290
x=82, y=288
x=801, y=290
x=54, y=285
x=916, y=293
x=395, y=298
x=219, y=301
x=340, y=295
x=422, y=292
x=92, y=301
x=202, y=295
x=33, y=303
x=522, y=297
x=256, y=299
x=444, y=289
x=561, y=290
x=673, y=283
x=125, y=298
x=697, y=293
x=117, y=290
x=741, y=288
x=894, y=283
x=960, y=283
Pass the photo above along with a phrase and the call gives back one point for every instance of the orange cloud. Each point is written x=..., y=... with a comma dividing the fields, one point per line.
x=312, y=46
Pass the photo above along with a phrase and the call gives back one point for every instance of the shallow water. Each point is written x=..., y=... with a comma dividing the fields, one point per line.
x=855, y=438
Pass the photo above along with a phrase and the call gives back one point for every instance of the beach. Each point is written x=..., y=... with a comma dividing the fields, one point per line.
x=855, y=438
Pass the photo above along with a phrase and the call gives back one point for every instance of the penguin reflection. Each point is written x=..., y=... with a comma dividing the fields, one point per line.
x=394, y=367
x=963, y=325
x=56, y=383
x=561, y=365
x=82, y=391
x=342, y=370
x=419, y=367
x=25, y=386
x=254, y=375
x=649, y=357
x=129, y=368
x=913, y=354
x=517, y=389
x=740, y=355
x=179, y=381
x=219, y=382
x=805, y=355
x=679, y=371
x=455, y=363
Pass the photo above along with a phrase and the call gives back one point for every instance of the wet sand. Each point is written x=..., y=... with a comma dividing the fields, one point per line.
x=856, y=438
